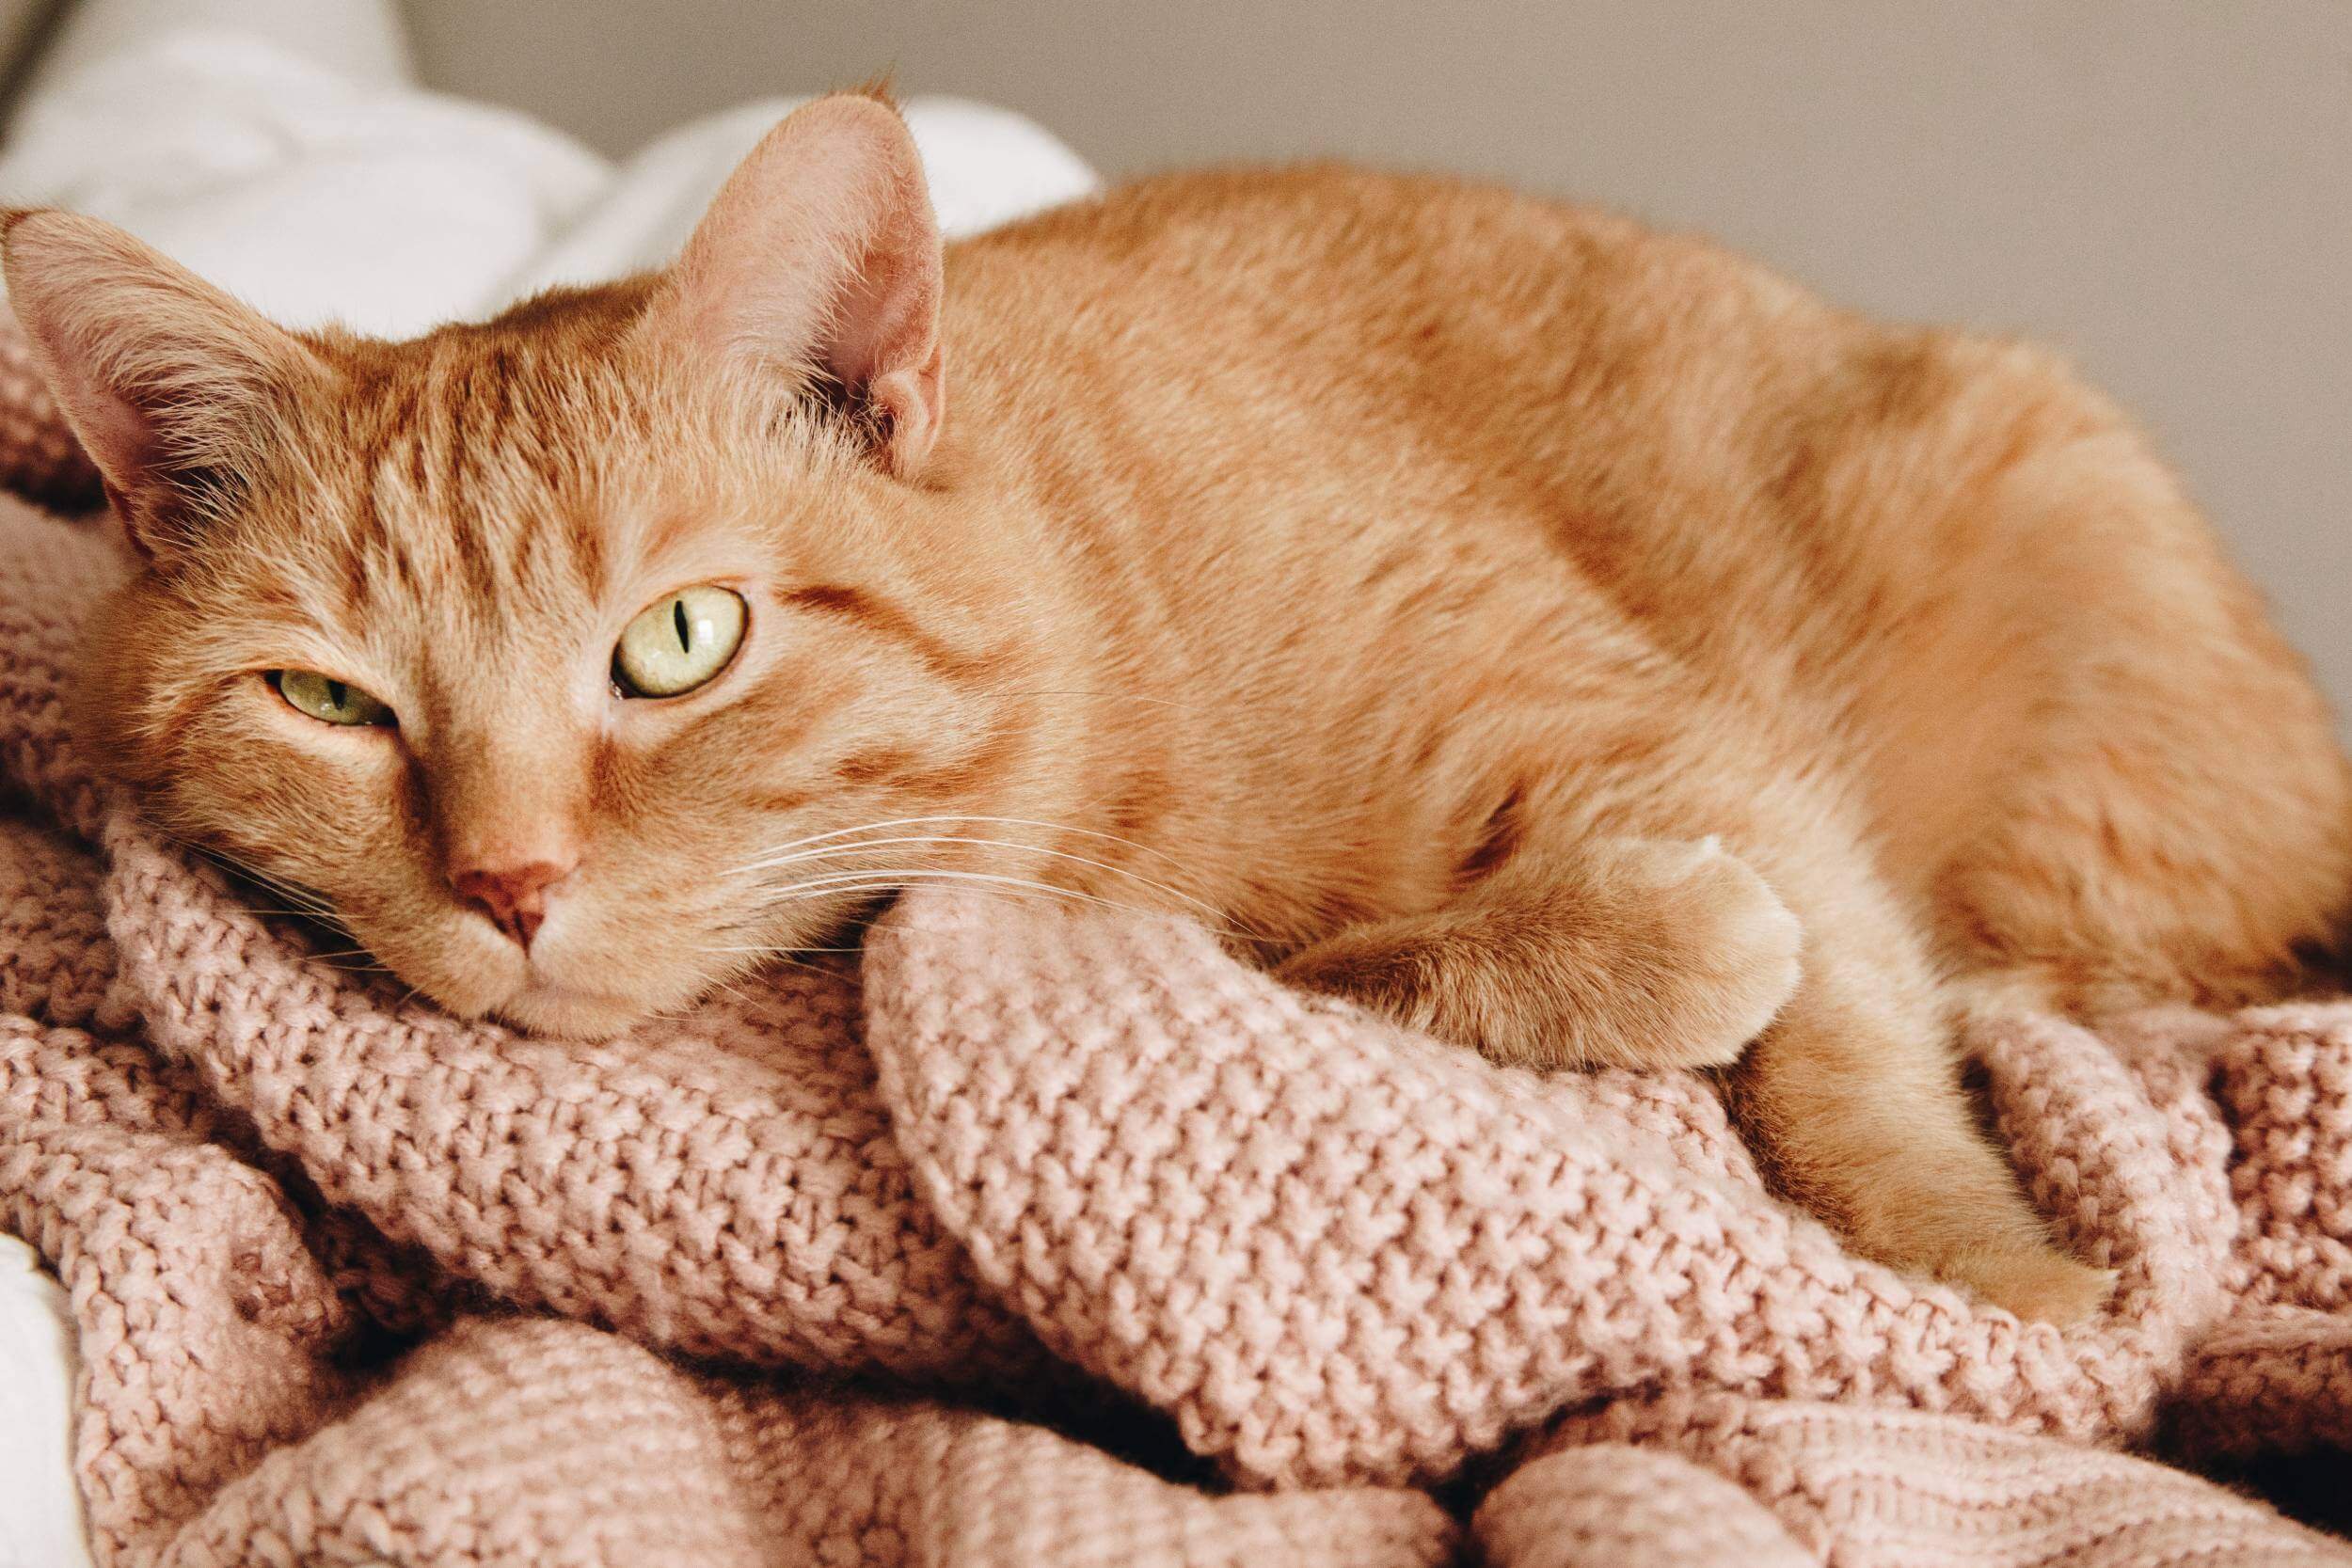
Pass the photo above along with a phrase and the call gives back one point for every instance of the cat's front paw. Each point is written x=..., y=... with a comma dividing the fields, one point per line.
x=1739, y=961
x=1655, y=954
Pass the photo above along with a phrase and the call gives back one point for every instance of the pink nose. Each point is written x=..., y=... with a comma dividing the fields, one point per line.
x=515, y=897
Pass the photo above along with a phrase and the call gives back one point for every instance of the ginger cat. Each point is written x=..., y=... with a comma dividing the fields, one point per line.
x=1573, y=640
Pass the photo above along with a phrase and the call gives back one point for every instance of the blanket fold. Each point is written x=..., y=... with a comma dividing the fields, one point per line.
x=1339, y=1251
x=357, y=1282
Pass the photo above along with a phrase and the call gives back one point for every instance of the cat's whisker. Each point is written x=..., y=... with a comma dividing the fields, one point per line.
x=952, y=818
x=1136, y=877
x=1032, y=896
x=293, y=908
x=732, y=990
x=901, y=880
x=302, y=901
x=783, y=855
x=306, y=903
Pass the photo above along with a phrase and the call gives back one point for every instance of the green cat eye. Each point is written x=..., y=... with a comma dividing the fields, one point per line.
x=679, y=642
x=327, y=699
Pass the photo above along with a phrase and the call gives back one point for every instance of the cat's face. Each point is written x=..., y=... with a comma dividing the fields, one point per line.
x=534, y=649
x=428, y=650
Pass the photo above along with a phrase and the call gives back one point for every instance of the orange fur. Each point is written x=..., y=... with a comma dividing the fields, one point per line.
x=1572, y=639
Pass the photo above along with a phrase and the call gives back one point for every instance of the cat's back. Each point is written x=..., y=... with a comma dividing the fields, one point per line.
x=1355, y=272
x=1676, y=422
x=1910, y=539
x=1535, y=360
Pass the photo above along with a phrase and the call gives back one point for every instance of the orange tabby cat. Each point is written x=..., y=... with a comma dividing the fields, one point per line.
x=1571, y=640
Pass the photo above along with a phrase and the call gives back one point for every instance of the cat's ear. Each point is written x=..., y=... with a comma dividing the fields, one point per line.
x=162, y=377
x=821, y=255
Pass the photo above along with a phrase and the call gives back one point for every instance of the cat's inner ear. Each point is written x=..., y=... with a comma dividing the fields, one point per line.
x=166, y=380
x=820, y=256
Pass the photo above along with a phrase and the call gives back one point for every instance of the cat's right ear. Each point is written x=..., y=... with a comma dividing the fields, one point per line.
x=820, y=258
x=166, y=380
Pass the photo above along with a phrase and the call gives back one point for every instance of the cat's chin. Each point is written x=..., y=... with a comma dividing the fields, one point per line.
x=571, y=1013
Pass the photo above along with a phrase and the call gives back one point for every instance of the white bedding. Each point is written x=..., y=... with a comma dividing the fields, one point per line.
x=280, y=148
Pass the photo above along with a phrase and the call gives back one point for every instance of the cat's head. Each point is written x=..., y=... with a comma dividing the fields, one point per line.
x=532, y=647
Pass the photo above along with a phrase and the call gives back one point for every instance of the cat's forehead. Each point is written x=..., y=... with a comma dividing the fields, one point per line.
x=470, y=415
x=536, y=471
x=514, y=463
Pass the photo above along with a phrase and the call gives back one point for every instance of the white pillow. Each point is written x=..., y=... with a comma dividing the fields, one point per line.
x=40, y=1507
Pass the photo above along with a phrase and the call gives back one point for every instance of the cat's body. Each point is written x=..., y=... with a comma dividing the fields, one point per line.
x=1574, y=640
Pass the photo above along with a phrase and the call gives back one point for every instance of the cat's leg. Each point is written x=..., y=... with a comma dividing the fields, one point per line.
x=1852, y=1099
x=1854, y=1103
x=1617, y=952
x=2174, y=820
x=2182, y=833
x=1641, y=951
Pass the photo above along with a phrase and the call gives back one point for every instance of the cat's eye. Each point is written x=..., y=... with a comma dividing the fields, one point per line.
x=328, y=700
x=679, y=642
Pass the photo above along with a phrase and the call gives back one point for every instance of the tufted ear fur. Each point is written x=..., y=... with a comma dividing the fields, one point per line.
x=821, y=256
x=166, y=380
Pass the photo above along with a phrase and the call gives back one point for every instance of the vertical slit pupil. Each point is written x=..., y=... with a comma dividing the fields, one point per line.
x=338, y=695
x=677, y=613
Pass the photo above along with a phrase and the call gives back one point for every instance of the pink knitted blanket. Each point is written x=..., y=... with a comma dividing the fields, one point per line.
x=924, y=1262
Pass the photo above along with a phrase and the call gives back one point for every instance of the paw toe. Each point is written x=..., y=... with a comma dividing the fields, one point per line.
x=2040, y=1286
x=1748, y=948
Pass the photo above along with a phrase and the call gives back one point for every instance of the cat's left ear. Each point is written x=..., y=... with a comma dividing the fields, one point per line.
x=821, y=256
x=168, y=383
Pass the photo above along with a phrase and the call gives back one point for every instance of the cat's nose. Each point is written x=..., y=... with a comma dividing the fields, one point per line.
x=514, y=896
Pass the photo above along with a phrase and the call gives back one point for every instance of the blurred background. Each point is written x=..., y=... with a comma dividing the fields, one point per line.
x=2163, y=188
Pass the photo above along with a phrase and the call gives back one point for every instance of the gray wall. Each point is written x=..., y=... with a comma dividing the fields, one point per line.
x=2162, y=187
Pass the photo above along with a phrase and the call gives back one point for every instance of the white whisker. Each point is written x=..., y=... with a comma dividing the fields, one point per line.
x=954, y=817
x=736, y=991
x=898, y=879
x=824, y=851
